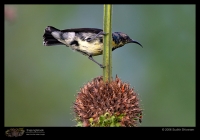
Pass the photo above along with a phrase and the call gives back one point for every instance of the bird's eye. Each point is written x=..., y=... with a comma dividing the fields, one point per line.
x=88, y=38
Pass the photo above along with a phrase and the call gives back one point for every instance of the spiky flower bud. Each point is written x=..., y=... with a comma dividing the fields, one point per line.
x=107, y=104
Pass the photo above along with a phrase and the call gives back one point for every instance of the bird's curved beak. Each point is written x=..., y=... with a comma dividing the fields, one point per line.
x=133, y=41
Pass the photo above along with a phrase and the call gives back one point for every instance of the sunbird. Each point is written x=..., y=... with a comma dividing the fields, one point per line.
x=87, y=41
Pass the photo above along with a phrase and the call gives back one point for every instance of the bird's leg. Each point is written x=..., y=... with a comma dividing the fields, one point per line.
x=100, y=33
x=91, y=58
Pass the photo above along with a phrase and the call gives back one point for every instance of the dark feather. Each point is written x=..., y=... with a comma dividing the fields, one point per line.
x=48, y=39
x=85, y=30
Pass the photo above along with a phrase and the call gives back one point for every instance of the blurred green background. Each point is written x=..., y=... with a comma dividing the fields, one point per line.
x=41, y=82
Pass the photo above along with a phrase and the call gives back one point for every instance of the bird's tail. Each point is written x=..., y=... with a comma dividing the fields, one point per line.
x=48, y=39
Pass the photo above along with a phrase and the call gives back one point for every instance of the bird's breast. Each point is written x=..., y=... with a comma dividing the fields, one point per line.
x=94, y=47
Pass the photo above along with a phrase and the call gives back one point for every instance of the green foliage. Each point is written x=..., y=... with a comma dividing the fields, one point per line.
x=79, y=124
x=107, y=120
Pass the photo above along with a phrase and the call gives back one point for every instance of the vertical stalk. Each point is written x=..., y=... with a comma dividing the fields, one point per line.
x=107, y=50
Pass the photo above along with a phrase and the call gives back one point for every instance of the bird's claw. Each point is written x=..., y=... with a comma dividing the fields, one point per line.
x=102, y=66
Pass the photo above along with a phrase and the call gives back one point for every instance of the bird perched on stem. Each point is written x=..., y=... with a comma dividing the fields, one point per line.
x=88, y=41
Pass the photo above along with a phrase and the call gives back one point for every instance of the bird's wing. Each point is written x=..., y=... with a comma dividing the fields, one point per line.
x=85, y=30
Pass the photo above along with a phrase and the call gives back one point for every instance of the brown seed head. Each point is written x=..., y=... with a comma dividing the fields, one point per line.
x=116, y=98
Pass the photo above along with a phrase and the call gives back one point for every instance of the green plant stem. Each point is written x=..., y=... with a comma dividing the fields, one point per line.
x=107, y=55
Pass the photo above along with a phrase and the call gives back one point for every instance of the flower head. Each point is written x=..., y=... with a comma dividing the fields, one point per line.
x=114, y=103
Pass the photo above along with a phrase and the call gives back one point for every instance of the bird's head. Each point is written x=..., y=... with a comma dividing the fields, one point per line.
x=121, y=39
x=126, y=39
